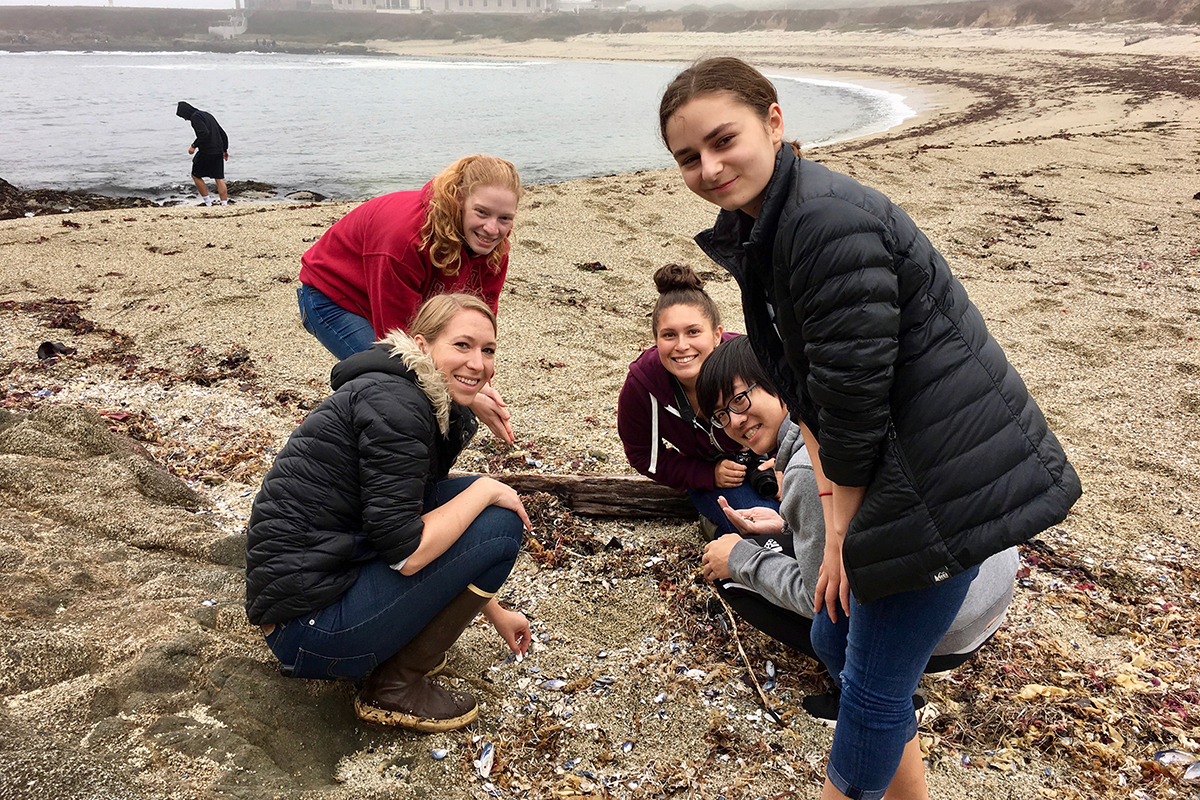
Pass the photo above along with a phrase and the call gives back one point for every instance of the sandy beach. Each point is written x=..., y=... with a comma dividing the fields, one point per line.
x=1056, y=169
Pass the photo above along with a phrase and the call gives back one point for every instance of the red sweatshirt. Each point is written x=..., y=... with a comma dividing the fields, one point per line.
x=371, y=263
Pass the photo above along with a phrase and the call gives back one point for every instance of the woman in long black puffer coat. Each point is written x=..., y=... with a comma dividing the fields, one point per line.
x=931, y=454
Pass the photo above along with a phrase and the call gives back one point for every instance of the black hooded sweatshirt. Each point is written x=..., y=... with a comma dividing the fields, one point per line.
x=210, y=136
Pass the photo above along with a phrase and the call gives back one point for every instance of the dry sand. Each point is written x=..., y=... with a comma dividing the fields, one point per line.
x=1056, y=170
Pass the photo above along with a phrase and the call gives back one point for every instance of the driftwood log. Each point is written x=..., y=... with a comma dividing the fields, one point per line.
x=603, y=495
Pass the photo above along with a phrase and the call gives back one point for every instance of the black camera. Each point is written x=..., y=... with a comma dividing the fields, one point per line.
x=762, y=481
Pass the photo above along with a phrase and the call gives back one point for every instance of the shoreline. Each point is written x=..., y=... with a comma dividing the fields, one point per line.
x=1060, y=184
x=921, y=103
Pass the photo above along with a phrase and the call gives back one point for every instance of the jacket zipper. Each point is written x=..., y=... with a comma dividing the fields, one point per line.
x=892, y=437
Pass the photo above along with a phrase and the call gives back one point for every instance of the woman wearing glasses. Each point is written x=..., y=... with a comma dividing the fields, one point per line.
x=664, y=437
x=932, y=455
x=772, y=567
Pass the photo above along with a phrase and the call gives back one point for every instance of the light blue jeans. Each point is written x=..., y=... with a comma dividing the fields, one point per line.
x=877, y=657
x=342, y=332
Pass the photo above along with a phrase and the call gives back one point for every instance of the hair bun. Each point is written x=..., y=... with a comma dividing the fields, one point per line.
x=672, y=277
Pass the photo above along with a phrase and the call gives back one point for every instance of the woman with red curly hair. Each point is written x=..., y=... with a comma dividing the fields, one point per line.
x=370, y=272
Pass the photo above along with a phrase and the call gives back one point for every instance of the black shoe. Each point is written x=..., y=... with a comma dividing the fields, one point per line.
x=824, y=707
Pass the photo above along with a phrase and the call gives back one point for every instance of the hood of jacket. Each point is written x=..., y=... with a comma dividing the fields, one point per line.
x=398, y=354
x=184, y=110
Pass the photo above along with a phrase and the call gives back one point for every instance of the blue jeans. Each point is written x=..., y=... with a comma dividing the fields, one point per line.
x=383, y=610
x=342, y=332
x=742, y=496
x=877, y=657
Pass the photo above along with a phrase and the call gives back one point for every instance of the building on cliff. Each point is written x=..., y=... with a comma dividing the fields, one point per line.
x=411, y=6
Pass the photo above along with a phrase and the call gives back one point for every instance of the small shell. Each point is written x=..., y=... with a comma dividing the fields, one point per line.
x=492, y=790
x=1174, y=757
x=770, y=669
x=769, y=686
x=572, y=764
x=626, y=745
x=554, y=685
x=438, y=755
x=1192, y=773
x=483, y=764
x=661, y=697
x=606, y=680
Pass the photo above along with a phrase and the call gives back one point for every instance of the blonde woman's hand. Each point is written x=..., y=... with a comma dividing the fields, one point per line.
x=505, y=496
x=512, y=626
x=492, y=411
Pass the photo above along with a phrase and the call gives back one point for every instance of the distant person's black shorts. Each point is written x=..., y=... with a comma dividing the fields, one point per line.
x=208, y=166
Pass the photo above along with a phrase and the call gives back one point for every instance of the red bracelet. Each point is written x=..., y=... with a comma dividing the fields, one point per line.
x=824, y=494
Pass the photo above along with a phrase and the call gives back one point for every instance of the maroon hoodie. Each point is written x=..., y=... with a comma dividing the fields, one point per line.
x=648, y=419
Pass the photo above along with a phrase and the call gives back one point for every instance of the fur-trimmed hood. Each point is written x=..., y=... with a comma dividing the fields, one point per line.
x=399, y=354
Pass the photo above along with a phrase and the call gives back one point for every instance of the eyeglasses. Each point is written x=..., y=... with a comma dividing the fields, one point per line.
x=738, y=404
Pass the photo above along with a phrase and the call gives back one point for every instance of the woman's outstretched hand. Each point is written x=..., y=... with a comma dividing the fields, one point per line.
x=512, y=626
x=752, y=521
x=492, y=411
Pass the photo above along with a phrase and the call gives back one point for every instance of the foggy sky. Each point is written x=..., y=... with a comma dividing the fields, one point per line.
x=125, y=3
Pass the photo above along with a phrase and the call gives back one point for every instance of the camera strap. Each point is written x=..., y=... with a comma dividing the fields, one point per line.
x=685, y=413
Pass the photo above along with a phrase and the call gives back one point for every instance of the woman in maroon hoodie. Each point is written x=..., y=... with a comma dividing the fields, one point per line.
x=664, y=437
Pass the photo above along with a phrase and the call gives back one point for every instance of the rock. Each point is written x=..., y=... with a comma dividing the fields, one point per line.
x=305, y=196
x=16, y=203
x=253, y=190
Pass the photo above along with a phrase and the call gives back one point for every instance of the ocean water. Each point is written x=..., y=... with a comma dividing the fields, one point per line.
x=356, y=126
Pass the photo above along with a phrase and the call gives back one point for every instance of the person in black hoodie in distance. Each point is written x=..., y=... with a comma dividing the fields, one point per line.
x=211, y=149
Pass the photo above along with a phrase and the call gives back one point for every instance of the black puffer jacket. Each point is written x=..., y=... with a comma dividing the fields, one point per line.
x=349, y=485
x=878, y=350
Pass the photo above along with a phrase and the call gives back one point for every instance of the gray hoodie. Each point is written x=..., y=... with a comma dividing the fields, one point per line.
x=791, y=582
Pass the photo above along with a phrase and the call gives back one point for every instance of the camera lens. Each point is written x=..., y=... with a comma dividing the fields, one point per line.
x=764, y=482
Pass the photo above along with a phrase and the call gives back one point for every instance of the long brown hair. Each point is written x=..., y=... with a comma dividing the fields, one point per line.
x=677, y=285
x=442, y=232
x=711, y=76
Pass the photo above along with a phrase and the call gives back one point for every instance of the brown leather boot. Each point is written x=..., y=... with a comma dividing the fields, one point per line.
x=400, y=692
